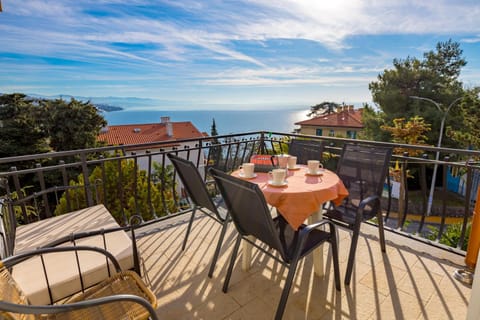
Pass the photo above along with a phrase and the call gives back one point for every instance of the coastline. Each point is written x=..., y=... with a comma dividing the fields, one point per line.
x=227, y=121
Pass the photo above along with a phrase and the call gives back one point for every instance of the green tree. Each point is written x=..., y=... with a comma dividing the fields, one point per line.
x=124, y=197
x=31, y=126
x=21, y=131
x=469, y=109
x=213, y=129
x=372, y=120
x=323, y=108
x=434, y=77
x=71, y=125
x=30, y=210
x=406, y=132
x=446, y=62
x=214, y=152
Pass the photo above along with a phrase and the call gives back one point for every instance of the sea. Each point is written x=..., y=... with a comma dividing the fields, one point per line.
x=226, y=121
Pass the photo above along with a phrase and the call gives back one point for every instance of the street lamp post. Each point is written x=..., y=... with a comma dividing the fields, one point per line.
x=439, y=144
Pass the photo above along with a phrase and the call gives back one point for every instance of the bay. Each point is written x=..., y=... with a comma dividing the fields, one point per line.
x=227, y=121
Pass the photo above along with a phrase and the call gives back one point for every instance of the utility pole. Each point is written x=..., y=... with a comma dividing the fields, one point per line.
x=439, y=144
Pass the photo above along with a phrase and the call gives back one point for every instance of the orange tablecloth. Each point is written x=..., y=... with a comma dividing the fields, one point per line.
x=303, y=195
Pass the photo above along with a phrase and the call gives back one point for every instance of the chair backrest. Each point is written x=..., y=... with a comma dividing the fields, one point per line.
x=193, y=183
x=363, y=169
x=306, y=150
x=248, y=209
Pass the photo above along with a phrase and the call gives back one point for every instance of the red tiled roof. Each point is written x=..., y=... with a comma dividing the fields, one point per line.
x=346, y=119
x=145, y=133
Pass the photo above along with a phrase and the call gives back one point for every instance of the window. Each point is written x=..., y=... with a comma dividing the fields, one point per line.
x=351, y=134
x=331, y=133
x=319, y=132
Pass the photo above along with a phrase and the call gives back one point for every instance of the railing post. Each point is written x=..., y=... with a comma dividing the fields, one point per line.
x=423, y=188
x=162, y=181
x=18, y=190
x=402, y=197
x=104, y=179
x=262, y=143
x=468, y=195
x=199, y=153
x=86, y=181
x=444, y=198
x=65, y=183
x=9, y=221
x=135, y=182
x=149, y=183
x=41, y=180
x=121, y=189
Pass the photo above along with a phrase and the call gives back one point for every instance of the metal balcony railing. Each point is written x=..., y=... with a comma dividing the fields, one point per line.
x=139, y=180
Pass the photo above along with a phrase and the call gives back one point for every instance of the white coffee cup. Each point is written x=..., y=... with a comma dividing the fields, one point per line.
x=277, y=176
x=247, y=169
x=314, y=166
x=292, y=162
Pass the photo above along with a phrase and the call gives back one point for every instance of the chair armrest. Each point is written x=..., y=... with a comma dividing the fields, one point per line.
x=55, y=309
x=367, y=201
x=13, y=260
x=80, y=235
x=361, y=207
x=303, y=234
x=310, y=227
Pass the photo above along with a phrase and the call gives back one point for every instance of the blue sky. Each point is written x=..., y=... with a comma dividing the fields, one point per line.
x=223, y=54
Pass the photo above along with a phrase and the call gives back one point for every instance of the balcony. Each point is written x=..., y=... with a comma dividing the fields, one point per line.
x=413, y=280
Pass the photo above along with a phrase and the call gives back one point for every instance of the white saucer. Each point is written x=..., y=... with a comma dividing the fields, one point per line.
x=283, y=184
x=241, y=175
x=318, y=173
x=296, y=168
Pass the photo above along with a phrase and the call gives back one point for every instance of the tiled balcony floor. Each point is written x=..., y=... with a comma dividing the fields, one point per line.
x=405, y=283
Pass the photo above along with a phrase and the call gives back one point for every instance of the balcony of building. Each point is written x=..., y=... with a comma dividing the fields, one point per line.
x=412, y=280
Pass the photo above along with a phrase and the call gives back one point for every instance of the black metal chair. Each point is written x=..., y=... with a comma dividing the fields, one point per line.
x=201, y=200
x=250, y=214
x=363, y=170
x=306, y=150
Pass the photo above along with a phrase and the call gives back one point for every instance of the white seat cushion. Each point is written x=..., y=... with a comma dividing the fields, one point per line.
x=61, y=268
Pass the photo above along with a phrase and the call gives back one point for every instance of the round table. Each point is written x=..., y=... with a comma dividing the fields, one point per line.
x=303, y=194
x=301, y=198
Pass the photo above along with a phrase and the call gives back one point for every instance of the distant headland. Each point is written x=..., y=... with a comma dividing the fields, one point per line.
x=107, y=107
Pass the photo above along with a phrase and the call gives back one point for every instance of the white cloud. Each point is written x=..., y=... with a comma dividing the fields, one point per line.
x=236, y=43
x=297, y=75
x=471, y=40
x=329, y=23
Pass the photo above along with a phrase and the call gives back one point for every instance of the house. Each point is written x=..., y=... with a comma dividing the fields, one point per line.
x=346, y=123
x=163, y=132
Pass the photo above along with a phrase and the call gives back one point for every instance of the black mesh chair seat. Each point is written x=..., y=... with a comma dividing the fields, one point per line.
x=202, y=201
x=346, y=216
x=363, y=170
x=347, y=213
x=289, y=238
x=306, y=150
x=251, y=216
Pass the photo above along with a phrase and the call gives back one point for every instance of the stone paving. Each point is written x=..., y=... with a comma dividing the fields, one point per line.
x=411, y=281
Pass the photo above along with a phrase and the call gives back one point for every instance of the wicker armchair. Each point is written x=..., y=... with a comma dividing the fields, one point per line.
x=121, y=296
